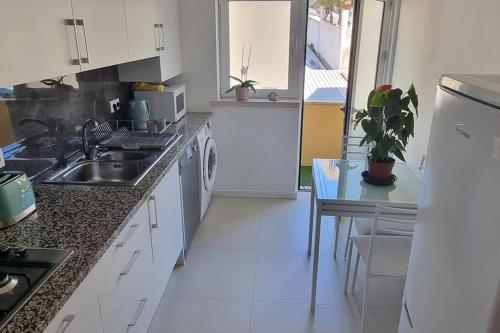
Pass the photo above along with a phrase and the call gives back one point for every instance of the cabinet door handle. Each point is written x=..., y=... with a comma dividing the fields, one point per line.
x=66, y=322
x=138, y=313
x=153, y=225
x=405, y=306
x=81, y=22
x=157, y=37
x=72, y=23
x=162, y=37
x=131, y=263
x=129, y=234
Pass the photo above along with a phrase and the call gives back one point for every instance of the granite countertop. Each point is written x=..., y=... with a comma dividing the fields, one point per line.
x=85, y=219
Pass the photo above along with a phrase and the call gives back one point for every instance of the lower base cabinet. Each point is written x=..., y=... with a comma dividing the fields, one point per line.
x=81, y=312
x=123, y=290
x=144, y=305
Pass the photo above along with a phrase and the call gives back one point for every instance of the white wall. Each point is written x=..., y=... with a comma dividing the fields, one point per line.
x=257, y=151
x=199, y=52
x=313, y=24
x=326, y=38
x=258, y=148
x=446, y=36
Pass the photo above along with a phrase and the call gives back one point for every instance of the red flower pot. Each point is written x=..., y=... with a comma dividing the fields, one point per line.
x=380, y=171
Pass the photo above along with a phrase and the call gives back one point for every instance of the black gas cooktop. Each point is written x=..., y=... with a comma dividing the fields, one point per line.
x=22, y=272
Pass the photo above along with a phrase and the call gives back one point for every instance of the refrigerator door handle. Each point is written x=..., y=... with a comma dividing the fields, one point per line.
x=405, y=306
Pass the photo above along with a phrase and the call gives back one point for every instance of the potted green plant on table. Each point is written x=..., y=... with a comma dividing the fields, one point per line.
x=388, y=123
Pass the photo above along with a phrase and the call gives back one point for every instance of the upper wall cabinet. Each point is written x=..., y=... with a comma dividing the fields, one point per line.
x=36, y=40
x=41, y=39
x=168, y=64
x=168, y=11
x=101, y=31
x=142, y=29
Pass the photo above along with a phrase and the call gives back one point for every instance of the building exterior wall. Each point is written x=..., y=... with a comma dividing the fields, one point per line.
x=322, y=131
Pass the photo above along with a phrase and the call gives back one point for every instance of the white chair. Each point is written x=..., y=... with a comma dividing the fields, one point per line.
x=351, y=148
x=364, y=226
x=385, y=251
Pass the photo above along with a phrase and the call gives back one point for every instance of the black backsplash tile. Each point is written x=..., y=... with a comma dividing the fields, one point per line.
x=71, y=105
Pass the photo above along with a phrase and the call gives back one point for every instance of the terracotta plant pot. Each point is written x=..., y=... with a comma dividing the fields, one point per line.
x=380, y=171
x=242, y=94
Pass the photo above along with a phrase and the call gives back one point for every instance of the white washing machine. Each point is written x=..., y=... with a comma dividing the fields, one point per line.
x=208, y=165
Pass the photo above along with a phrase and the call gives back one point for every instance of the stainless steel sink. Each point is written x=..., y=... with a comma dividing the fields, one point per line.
x=112, y=167
x=32, y=167
x=101, y=172
x=124, y=155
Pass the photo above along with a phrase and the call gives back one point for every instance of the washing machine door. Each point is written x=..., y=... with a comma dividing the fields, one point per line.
x=209, y=164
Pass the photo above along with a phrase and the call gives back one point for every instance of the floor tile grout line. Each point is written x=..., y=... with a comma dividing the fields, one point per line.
x=255, y=273
x=346, y=306
x=236, y=300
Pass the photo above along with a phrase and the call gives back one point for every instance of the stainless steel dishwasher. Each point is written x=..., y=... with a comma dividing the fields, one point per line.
x=189, y=170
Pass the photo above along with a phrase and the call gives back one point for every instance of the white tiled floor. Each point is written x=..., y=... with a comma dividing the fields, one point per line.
x=248, y=271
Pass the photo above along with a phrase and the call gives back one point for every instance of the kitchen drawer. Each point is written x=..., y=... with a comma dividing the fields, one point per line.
x=117, y=251
x=125, y=278
x=81, y=311
x=144, y=307
x=147, y=301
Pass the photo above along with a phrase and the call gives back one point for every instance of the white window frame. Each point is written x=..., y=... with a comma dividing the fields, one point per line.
x=295, y=56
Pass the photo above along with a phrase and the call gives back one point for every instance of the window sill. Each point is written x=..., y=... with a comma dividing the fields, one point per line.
x=257, y=103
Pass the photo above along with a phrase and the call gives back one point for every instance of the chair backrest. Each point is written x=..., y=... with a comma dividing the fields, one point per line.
x=351, y=149
x=390, y=220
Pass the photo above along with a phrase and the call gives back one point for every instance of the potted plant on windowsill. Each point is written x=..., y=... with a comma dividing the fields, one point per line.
x=242, y=88
x=388, y=123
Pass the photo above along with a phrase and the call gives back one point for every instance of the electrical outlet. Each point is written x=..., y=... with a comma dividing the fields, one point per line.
x=114, y=105
x=2, y=160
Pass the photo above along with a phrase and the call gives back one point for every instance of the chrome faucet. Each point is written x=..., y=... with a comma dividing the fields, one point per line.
x=88, y=150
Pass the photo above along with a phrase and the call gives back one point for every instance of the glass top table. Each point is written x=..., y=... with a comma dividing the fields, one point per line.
x=338, y=189
x=340, y=180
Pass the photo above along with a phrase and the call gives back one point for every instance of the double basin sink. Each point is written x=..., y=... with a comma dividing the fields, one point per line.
x=111, y=167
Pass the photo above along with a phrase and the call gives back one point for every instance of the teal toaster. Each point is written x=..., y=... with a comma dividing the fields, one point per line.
x=17, y=199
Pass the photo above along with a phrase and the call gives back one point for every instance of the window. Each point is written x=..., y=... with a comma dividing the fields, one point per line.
x=259, y=41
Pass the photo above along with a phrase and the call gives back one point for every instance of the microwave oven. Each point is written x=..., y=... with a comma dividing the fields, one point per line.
x=169, y=104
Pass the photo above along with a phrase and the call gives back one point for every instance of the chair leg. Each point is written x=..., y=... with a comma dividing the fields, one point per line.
x=353, y=286
x=337, y=231
x=363, y=314
x=348, y=238
x=348, y=268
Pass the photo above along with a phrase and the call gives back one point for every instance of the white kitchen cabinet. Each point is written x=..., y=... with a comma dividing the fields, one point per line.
x=123, y=290
x=102, y=32
x=81, y=311
x=143, y=33
x=37, y=42
x=170, y=57
x=165, y=216
x=165, y=212
x=125, y=273
x=168, y=64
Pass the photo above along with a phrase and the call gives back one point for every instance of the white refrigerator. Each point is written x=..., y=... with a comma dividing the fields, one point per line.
x=453, y=282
